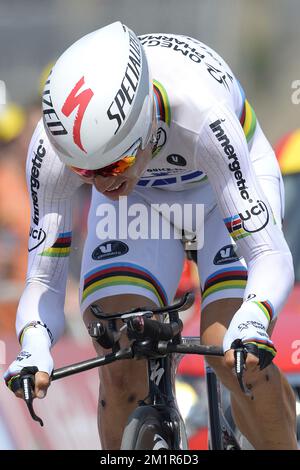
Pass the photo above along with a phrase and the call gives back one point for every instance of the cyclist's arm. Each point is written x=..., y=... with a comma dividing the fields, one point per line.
x=223, y=154
x=51, y=186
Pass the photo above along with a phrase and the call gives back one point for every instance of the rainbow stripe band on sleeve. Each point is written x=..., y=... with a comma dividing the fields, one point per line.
x=10, y=378
x=34, y=324
x=61, y=247
x=235, y=227
x=267, y=308
x=248, y=120
x=227, y=278
x=122, y=274
x=262, y=344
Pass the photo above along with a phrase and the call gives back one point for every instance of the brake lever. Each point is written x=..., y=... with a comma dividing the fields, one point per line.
x=240, y=356
x=27, y=383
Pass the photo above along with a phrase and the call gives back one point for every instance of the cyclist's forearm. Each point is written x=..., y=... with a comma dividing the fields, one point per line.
x=40, y=304
x=265, y=294
x=270, y=277
x=246, y=210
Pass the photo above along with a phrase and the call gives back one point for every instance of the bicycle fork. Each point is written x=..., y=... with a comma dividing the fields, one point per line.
x=221, y=435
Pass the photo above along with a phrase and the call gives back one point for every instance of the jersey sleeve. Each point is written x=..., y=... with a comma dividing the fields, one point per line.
x=223, y=154
x=51, y=186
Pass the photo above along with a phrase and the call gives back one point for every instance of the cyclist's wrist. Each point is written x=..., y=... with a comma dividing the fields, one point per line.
x=250, y=321
x=36, y=330
x=35, y=351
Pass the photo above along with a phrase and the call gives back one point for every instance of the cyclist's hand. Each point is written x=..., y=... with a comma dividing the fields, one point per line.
x=251, y=364
x=35, y=352
x=259, y=347
x=41, y=379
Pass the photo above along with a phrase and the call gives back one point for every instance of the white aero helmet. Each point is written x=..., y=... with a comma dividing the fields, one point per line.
x=98, y=99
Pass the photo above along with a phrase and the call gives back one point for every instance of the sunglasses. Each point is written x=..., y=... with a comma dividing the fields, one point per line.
x=114, y=169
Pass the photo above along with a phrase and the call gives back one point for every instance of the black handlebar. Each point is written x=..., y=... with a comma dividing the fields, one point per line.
x=143, y=328
x=150, y=338
x=183, y=304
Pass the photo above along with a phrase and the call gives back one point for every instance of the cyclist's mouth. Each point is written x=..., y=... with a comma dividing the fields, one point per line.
x=116, y=190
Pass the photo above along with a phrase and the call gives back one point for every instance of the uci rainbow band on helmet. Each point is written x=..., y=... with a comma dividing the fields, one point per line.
x=98, y=98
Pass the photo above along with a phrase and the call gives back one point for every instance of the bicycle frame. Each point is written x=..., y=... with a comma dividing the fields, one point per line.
x=162, y=396
x=220, y=432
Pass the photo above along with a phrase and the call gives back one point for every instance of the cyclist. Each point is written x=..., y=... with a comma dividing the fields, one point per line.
x=158, y=119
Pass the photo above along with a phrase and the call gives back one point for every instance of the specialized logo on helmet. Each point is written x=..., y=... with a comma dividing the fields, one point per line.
x=51, y=119
x=127, y=91
x=81, y=102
